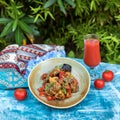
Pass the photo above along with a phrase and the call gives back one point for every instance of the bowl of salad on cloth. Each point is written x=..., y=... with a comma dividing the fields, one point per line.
x=59, y=82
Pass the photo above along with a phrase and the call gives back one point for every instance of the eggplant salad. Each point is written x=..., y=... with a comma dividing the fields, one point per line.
x=59, y=83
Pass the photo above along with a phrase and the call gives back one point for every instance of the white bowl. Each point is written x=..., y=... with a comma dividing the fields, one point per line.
x=78, y=71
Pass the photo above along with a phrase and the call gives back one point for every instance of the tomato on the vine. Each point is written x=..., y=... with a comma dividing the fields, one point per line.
x=20, y=93
x=108, y=75
x=99, y=83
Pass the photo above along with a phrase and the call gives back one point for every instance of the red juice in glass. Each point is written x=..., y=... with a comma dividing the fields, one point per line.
x=92, y=52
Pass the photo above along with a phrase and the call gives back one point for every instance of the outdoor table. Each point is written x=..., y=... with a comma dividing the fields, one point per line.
x=101, y=104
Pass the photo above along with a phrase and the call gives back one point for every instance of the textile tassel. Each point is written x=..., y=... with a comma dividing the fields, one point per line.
x=24, y=42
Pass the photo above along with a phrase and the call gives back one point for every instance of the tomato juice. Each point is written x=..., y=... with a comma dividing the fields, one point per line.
x=92, y=52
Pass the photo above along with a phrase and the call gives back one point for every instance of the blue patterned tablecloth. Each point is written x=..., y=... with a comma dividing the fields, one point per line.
x=98, y=105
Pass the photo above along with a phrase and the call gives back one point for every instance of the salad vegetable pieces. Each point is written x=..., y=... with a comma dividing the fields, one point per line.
x=59, y=83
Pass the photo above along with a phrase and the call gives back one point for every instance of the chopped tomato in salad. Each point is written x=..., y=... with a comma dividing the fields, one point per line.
x=59, y=83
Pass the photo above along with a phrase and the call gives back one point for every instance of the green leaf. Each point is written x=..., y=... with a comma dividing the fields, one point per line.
x=35, y=10
x=24, y=27
x=93, y=5
x=19, y=36
x=28, y=20
x=15, y=11
x=64, y=90
x=71, y=54
x=15, y=23
x=39, y=16
x=7, y=29
x=117, y=18
x=50, y=14
x=62, y=8
x=11, y=14
x=3, y=3
x=49, y=3
x=21, y=15
x=70, y=2
x=48, y=86
x=4, y=20
x=34, y=30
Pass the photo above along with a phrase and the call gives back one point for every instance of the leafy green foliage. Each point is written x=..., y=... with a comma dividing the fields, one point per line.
x=61, y=4
x=41, y=12
x=18, y=24
x=49, y=3
x=110, y=47
x=13, y=22
x=94, y=16
x=3, y=43
x=71, y=54
x=6, y=29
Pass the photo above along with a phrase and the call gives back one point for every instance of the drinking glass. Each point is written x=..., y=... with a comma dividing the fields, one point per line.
x=92, y=56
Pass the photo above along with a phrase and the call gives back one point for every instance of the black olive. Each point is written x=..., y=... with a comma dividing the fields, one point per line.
x=66, y=67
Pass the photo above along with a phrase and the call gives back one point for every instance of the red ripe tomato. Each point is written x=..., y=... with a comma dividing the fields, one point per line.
x=44, y=76
x=68, y=94
x=49, y=98
x=108, y=75
x=62, y=74
x=99, y=83
x=20, y=93
x=41, y=90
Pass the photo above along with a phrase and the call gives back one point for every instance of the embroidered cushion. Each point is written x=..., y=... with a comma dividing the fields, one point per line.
x=16, y=62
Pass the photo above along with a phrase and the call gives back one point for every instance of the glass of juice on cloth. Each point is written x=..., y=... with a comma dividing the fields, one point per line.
x=92, y=56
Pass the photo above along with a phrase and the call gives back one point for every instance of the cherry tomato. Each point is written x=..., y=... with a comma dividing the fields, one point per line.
x=68, y=94
x=61, y=74
x=99, y=83
x=75, y=82
x=20, y=93
x=41, y=91
x=108, y=75
x=49, y=98
x=67, y=87
x=44, y=76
